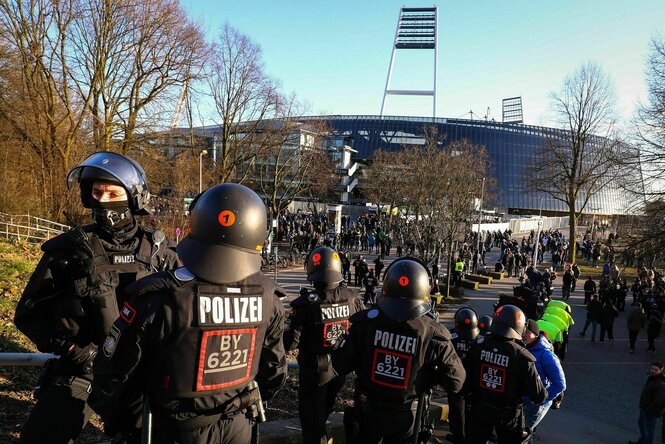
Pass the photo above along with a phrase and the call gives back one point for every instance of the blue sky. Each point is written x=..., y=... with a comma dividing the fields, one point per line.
x=335, y=54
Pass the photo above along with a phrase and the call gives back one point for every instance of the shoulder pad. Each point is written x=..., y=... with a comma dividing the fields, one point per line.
x=60, y=242
x=302, y=301
x=441, y=332
x=154, y=282
x=183, y=275
x=522, y=350
x=280, y=292
x=65, y=241
x=365, y=315
x=347, y=293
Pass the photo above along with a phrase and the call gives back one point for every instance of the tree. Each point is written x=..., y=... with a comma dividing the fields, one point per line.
x=244, y=98
x=385, y=180
x=646, y=166
x=80, y=75
x=436, y=183
x=578, y=161
x=136, y=57
x=38, y=100
x=296, y=167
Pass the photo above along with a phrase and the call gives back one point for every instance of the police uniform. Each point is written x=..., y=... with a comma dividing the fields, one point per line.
x=73, y=296
x=197, y=339
x=315, y=324
x=465, y=331
x=204, y=344
x=398, y=352
x=501, y=372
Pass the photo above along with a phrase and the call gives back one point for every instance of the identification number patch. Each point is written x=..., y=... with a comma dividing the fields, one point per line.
x=492, y=378
x=391, y=369
x=333, y=330
x=225, y=358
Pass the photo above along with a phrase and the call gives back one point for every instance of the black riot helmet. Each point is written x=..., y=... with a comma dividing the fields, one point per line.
x=508, y=321
x=484, y=323
x=324, y=265
x=226, y=234
x=115, y=168
x=405, y=293
x=466, y=323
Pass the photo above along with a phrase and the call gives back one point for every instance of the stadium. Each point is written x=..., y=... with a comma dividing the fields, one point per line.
x=511, y=147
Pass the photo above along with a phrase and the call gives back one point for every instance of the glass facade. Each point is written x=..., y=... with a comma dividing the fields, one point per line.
x=511, y=148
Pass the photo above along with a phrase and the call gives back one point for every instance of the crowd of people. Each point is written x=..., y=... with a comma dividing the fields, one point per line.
x=199, y=335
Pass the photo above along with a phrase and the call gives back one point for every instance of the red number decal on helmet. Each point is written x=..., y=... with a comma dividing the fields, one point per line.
x=404, y=281
x=316, y=259
x=226, y=218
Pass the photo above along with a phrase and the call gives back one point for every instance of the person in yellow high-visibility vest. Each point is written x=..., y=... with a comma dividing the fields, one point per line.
x=459, y=269
x=565, y=318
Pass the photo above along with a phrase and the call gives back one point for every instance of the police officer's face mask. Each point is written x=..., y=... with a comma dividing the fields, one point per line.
x=109, y=205
x=116, y=215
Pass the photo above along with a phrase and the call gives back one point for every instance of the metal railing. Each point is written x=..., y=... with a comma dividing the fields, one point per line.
x=31, y=228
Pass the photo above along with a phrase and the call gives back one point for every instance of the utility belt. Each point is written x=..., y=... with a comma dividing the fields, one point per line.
x=248, y=402
x=54, y=373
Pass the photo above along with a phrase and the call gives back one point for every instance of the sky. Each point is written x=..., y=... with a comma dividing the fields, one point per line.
x=335, y=55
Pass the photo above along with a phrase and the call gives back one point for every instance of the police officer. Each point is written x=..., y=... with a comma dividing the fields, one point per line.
x=465, y=331
x=370, y=282
x=501, y=372
x=316, y=321
x=398, y=352
x=484, y=324
x=197, y=339
x=74, y=293
x=459, y=270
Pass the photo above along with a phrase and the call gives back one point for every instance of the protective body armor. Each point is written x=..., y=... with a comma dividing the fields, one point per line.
x=497, y=370
x=394, y=354
x=328, y=319
x=462, y=346
x=80, y=285
x=217, y=336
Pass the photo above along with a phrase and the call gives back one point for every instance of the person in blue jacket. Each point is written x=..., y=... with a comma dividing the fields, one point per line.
x=550, y=372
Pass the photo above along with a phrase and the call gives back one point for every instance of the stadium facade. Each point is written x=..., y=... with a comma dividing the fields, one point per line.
x=512, y=148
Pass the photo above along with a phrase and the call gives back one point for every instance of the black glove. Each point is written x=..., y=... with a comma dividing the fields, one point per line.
x=82, y=358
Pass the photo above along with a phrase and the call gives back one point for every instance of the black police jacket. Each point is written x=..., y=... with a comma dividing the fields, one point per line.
x=314, y=325
x=73, y=294
x=462, y=346
x=196, y=345
x=396, y=361
x=502, y=372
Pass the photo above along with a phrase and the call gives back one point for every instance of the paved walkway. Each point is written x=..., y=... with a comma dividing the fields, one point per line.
x=604, y=380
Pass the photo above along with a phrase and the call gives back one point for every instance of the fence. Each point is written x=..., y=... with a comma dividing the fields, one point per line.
x=31, y=228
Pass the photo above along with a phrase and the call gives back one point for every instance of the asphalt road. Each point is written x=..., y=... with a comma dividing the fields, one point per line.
x=604, y=380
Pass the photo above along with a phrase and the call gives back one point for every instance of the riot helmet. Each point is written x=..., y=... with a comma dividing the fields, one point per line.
x=405, y=293
x=484, y=323
x=466, y=323
x=508, y=322
x=226, y=234
x=324, y=265
x=114, y=168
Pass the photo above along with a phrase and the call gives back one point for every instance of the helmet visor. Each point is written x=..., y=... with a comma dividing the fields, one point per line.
x=113, y=164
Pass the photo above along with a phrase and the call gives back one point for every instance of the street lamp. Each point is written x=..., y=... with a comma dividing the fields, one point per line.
x=201, y=154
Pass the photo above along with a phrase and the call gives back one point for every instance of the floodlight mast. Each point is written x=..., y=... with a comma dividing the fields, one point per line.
x=416, y=29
